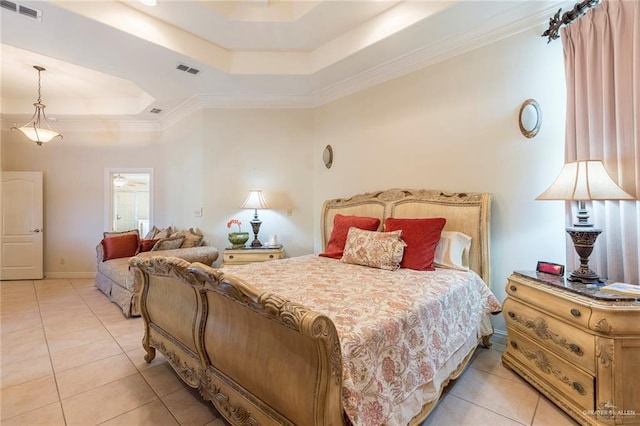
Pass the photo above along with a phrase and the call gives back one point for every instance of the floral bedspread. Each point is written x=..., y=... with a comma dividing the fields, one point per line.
x=396, y=328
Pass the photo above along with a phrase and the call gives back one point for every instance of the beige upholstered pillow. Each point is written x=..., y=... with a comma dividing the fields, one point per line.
x=156, y=233
x=168, y=243
x=382, y=250
x=452, y=251
x=191, y=239
x=150, y=234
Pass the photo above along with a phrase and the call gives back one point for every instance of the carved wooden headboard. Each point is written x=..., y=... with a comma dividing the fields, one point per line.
x=465, y=212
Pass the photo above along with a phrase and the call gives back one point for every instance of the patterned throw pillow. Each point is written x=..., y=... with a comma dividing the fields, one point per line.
x=156, y=233
x=191, y=239
x=150, y=234
x=382, y=250
x=341, y=225
x=168, y=243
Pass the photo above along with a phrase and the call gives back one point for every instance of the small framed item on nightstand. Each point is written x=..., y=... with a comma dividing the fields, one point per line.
x=550, y=268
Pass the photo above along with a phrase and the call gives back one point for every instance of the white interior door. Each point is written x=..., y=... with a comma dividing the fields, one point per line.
x=21, y=247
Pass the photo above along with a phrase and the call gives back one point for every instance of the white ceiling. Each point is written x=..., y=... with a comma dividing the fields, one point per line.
x=116, y=60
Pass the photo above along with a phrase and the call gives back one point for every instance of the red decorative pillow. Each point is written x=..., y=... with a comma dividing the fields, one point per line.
x=341, y=225
x=422, y=236
x=146, y=245
x=120, y=246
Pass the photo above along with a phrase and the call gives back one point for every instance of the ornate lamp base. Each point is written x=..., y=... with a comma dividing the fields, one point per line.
x=583, y=238
x=255, y=225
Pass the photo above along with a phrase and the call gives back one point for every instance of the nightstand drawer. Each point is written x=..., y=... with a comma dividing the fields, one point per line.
x=574, y=312
x=563, y=339
x=251, y=257
x=244, y=256
x=562, y=377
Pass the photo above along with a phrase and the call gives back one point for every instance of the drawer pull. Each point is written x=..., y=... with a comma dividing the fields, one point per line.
x=578, y=388
x=575, y=312
x=230, y=256
x=270, y=256
x=513, y=287
x=514, y=345
x=575, y=349
x=511, y=315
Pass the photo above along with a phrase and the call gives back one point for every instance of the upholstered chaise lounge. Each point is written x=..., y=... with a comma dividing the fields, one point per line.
x=122, y=285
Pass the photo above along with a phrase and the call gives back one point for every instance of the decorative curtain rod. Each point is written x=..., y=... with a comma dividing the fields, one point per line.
x=568, y=17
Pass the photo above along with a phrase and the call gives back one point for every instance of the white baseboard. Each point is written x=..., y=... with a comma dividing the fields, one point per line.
x=70, y=275
x=499, y=336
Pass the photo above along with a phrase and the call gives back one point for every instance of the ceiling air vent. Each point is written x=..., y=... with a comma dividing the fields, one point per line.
x=21, y=9
x=155, y=111
x=9, y=5
x=187, y=69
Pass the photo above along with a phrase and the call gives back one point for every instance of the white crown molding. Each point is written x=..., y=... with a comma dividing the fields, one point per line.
x=246, y=101
x=430, y=55
x=516, y=20
x=63, y=125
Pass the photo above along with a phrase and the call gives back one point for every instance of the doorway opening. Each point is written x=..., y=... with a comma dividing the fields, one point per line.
x=130, y=200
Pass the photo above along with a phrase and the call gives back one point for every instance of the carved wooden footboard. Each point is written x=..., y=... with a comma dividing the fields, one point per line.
x=257, y=357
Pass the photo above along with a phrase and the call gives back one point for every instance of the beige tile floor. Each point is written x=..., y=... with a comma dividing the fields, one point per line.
x=68, y=356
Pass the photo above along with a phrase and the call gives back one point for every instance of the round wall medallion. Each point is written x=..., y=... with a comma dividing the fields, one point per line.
x=327, y=156
x=530, y=118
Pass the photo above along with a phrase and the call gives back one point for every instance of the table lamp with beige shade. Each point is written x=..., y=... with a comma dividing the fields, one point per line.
x=583, y=181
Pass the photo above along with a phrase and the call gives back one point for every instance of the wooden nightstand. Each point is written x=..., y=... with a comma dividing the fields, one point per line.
x=578, y=346
x=245, y=255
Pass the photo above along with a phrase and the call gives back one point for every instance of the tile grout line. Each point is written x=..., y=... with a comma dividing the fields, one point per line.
x=138, y=371
x=55, y=378
x=46, y=339
x=489, y=409
x=533, y=418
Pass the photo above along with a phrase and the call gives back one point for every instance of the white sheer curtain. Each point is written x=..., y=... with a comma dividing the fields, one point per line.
x=602, y=64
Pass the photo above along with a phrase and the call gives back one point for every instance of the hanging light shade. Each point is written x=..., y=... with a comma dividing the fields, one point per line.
x=119, y=181
x=35, y=129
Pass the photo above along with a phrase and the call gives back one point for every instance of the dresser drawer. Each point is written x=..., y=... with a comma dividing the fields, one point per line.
x=567, y=380
x=555, y=335
x=572, y=311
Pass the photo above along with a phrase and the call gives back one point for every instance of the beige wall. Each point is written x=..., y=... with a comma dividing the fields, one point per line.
x=453, y=126
x=235, y=150
x=73, y=174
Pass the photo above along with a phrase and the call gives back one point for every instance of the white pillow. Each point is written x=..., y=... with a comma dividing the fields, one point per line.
x=452, y=251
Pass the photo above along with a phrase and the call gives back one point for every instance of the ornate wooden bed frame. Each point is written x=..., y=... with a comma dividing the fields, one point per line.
x=261, y=359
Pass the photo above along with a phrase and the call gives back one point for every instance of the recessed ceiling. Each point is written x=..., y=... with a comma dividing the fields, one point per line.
x=119, y=59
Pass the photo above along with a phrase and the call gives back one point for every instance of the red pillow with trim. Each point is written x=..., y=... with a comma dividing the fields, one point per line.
x=146, y=245
x=341, y=225
x=120, y=246
x=422, y=236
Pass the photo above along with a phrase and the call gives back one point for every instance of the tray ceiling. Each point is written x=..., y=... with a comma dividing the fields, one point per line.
x=117, y=60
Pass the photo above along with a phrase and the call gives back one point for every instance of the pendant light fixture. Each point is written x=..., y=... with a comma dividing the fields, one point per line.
x=34, y=129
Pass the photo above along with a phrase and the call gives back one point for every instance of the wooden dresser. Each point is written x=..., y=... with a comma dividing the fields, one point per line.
x=578, y=346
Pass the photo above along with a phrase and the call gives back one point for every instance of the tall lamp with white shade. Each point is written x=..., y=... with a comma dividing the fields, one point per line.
x=583, y=181
x=255, y=201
